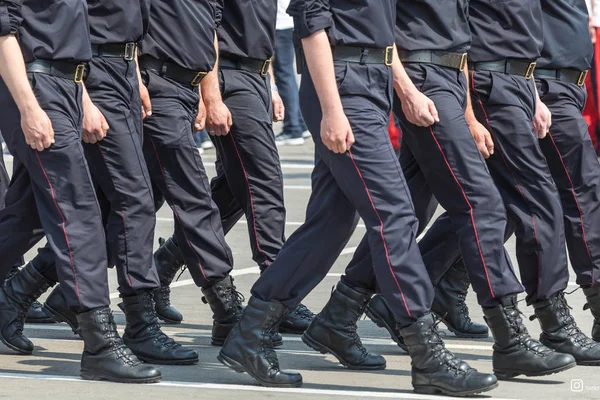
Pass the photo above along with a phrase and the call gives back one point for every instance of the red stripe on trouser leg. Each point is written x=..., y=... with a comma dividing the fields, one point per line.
x=162, y=171
x=487, y=121
x=250, y=197
x=576, y=202
x=387, y=254
x=487, y=277
x=63, y=225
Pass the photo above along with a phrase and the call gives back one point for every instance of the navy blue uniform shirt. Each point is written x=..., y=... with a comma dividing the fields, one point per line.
x=56, y=30
x=248, y=29
x=567, y=42
x=360, y=23
x=433, y=25
x=182, y=32
x=505, y=29
x=118, y=21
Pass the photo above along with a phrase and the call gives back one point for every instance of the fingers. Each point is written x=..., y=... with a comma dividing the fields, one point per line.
x=489, y=145
x=349, y=140
x=229, y=121
x=146, y=106
x=433, y=112
x=199, y=123
x=483, y=149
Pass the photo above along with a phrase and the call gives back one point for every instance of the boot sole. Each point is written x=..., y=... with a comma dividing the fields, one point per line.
x=96, y=376
x=315, y=345
x=188, y=361
x=14, y=348
x=40, y=321
x=505, y=375
x=382, y=324
x=463, y=335
x=167, y=320
x=218, y=342
x=291, y=331
x=239, y=368
x=58, y=317
x=437, y=390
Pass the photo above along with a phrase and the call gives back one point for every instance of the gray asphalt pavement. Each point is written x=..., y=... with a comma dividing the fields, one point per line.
x=52, y=371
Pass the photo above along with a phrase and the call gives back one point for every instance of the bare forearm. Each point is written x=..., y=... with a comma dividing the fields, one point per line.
x=14, y=74
x=320, y=64
x=469, y=113
x=402, y=82
x=209, y=87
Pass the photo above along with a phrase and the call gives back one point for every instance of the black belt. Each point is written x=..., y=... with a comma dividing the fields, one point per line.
x=364, y=55
x=508, y=66
x=61, y=69
x=442, y=58
x=246, y=64
x=125, y=51
x=564, y=75
x=172, y=71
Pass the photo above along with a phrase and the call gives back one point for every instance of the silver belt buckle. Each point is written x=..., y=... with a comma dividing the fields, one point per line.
x=129, y=51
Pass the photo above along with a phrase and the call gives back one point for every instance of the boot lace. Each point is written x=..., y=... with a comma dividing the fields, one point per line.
x=117, y=346
x=233, y=298
x=513, y=315
x=154, y=326
x=303, y=312
x=441, y=353
x=570, y=326
x=352, y=327
x=267, y=342
x=164, y=295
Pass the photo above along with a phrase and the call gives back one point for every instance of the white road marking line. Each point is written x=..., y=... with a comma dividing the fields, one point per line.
x=301, y=391
x=244, y=222
x=243, y=388
x=286, y=338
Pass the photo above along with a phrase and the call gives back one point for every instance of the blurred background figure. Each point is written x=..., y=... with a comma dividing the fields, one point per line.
x=592, y=82
x=294, y=130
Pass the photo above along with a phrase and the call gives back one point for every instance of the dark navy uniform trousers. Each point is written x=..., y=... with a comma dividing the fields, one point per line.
x=249, y=179
x=364, y=179
x=178, y=173
x=54, y=191
x=576, y=172
x=119, y=170
x=505, y=105
x=443, y=161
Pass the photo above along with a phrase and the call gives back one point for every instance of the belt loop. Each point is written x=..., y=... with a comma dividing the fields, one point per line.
x=364, y=52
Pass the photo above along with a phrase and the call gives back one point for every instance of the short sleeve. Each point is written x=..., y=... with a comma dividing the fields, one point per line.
x=310, y=16
x=10, y=17
x=218, y=8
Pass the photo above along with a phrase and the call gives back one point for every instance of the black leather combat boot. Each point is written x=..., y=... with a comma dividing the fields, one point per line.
x=449, y=304
x=437, y=370
x=226, y=304
x=35, y=314
x=145, y=338
x=333, y=330
x=16, y=296
x=168, y=260
x=592, y=295
x=380, y=313
x=515, y=352
x=561, y=333
x=105, y=356
x=297, y=321
x=56, y=306
x=249, y=347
